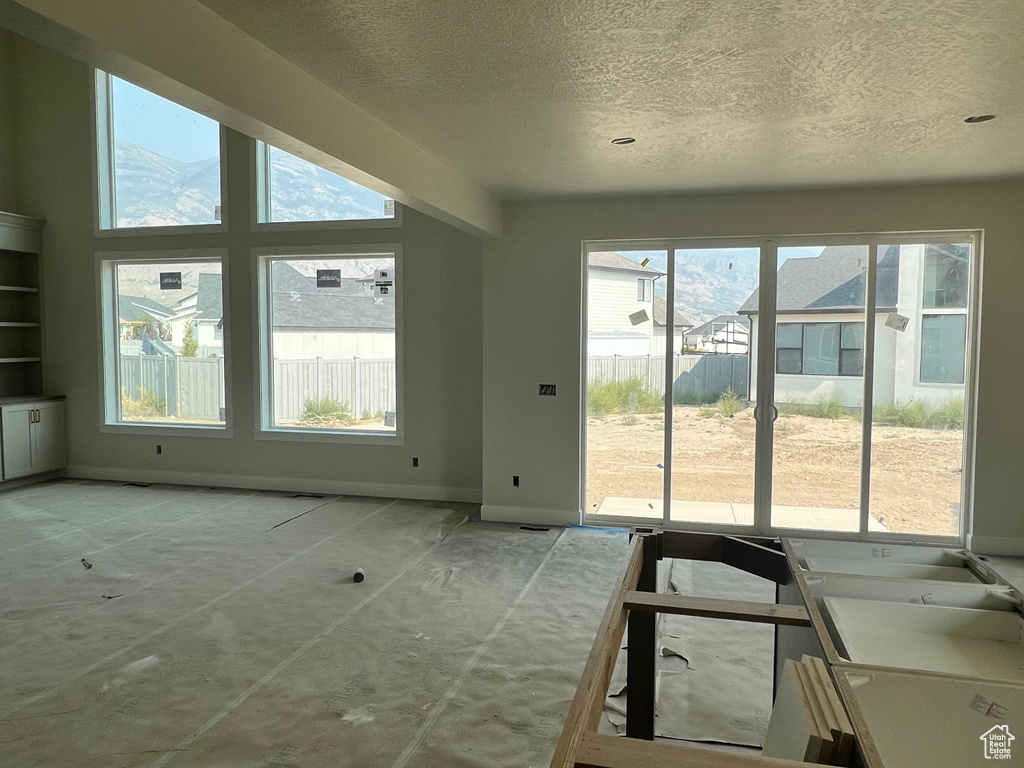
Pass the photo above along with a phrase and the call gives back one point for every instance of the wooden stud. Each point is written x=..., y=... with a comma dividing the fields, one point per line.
x=733, y=610
x=753, y=558
x=642, y=650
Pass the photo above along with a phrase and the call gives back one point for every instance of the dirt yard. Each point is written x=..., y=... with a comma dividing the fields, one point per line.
x=915, y=475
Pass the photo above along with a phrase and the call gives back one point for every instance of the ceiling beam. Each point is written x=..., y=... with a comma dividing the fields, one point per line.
x=183, y=51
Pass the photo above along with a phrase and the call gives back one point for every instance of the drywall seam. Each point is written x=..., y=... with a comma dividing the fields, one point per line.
x=268, y=483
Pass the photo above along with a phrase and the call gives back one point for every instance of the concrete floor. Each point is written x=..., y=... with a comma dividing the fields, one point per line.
x=223, y=628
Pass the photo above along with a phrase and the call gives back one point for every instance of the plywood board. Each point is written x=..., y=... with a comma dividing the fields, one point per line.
x=959, y=641
x=920, y=721
x=890, y=569
x=792, y=732
x=828, y=700
x=826, y=744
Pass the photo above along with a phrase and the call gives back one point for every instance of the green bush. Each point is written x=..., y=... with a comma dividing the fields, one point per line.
x=912, y=413
x=949, y=415
x=695, y=398
x=628, y=396
x=146, y=405
x=729, y=404
x=825, y=407
x=325, y=410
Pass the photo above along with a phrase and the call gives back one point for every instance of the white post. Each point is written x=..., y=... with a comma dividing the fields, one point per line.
x=356, y=412
x=319, y=379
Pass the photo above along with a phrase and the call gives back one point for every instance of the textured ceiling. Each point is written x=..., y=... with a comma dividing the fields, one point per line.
x=523, y=97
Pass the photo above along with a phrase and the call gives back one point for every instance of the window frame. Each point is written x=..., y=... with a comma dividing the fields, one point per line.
x=259, y=191
x=104, y=199
x=803, y=341
x=264, y=384
x=644, y=289
x=107, y=332
x=926, y=312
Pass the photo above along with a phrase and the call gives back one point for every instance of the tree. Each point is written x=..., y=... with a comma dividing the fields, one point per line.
x=190, y=346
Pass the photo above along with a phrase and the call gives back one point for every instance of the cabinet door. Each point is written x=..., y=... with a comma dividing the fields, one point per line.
x=17, y=429
x=48, y=438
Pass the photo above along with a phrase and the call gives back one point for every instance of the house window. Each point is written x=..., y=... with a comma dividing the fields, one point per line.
x=163, y=360
x=943, y=348
x=331, y=338
x=643, y=288
x=820, y=349
x=945, y=276
x=292, y=189
x=158, y=163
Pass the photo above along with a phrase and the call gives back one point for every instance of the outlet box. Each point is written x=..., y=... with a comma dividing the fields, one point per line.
x=515, y=481
x=547, y=390
x=159, y=450
x=415, y=461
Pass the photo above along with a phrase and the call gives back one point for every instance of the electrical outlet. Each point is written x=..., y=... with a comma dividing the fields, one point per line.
x=159, y=450
x=415, y=461
x=547, y=390
x=515, y=481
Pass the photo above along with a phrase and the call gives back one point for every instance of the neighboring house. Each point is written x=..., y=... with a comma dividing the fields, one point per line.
x=681, y=326
x=726, y=334
x=820, y=325
x=205, y=308
x=136, y=314
x=332, y=323
x=618, y=287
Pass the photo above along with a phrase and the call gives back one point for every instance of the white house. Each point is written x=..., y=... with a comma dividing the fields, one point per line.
x=725, y=334
x=205, y=308
x=618, y=289
x=820, y=325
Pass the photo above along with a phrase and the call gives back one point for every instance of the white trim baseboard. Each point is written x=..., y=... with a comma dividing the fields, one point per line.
x=995, y=545
x=292, y=484
x=529, y=516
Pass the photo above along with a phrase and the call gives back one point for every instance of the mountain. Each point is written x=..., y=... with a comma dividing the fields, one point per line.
x=709, y=282
x=153, y=190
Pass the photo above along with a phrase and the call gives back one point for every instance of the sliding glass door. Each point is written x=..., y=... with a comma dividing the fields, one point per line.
x=772, y=386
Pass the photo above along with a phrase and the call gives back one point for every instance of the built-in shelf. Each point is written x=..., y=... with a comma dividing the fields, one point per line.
x=21, y=338
x=18, y=288
x=20, y=359
x=19, y=325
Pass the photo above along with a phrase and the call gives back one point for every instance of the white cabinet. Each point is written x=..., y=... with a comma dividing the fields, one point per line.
x=34, y=438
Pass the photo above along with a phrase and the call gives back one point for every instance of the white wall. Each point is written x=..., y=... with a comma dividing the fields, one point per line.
x=334, y=345
x=441, y=300
x=539, y=438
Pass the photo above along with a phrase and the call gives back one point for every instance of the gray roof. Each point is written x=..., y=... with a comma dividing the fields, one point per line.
x=210, y=302
x=298, y=303
x=138, y=309
x=833, y=282
x=616, y=261
x=738, y=319
x=661, y=312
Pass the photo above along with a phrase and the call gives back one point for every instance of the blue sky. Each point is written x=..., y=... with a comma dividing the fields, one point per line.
x=162, y=126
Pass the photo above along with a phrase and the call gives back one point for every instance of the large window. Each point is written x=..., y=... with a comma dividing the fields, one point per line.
x=944, y=328
x=330, y=346
x=158, y=162
x=163, y=341
x=820, y=349
x=292, y=189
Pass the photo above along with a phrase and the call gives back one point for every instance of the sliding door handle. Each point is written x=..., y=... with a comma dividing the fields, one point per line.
x=775, y=412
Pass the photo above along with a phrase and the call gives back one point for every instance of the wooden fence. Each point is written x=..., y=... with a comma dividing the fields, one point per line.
x=692, y=374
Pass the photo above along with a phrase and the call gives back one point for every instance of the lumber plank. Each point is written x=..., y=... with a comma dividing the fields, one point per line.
x=642, y=653
x=599, y=751
x=734, y=610
x=753, y=558
x=588, y=702
x=685, y=545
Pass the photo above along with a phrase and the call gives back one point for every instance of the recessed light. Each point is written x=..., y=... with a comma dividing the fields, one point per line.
x=980, y=119
x=623, y=140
